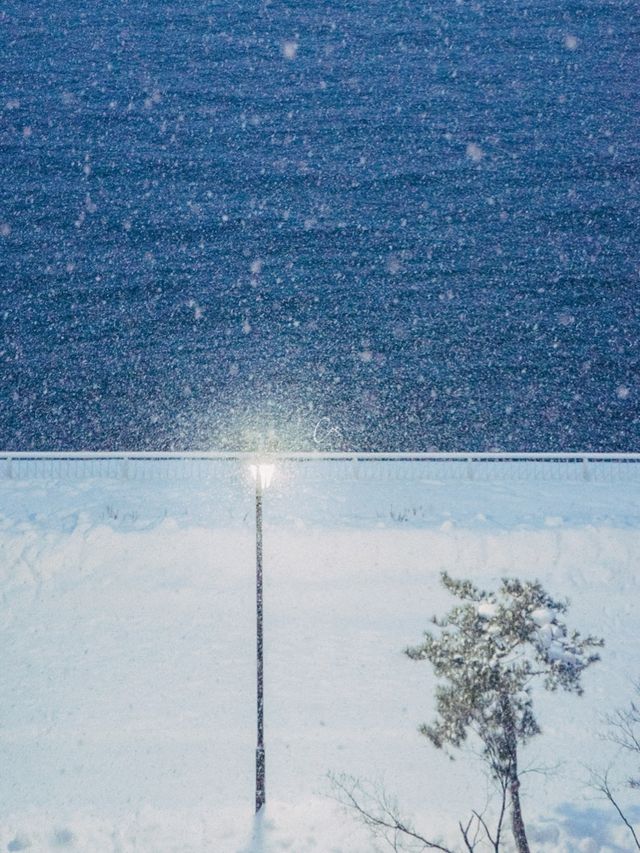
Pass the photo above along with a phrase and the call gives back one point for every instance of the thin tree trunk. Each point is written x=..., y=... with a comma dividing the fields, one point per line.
x=517, y=823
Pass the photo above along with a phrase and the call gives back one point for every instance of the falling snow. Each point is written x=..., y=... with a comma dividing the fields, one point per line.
x=203, y=215
x=128, y=683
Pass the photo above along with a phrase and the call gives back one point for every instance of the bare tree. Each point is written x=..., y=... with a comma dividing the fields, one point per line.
x=381, y=814
x=601, y=783
x=624, y=732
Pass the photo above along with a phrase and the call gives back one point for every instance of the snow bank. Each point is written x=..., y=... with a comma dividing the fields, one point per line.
x=127, y=698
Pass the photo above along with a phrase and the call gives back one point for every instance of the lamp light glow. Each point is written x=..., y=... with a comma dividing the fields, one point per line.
x=262, y=473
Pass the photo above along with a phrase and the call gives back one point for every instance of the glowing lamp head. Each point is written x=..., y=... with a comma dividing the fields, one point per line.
x=262, y=473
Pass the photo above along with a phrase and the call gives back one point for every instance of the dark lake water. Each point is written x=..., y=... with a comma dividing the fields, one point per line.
x=401, y=225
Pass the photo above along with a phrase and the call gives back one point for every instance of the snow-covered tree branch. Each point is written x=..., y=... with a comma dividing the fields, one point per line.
x=490, y=650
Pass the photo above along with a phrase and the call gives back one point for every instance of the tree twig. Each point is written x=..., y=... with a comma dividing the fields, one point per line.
x=601, y=783
x=387, y=821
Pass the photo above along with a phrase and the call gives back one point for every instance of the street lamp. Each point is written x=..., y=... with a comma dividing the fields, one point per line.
x=262, y=474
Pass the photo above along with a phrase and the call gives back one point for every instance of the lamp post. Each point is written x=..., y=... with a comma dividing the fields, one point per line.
x=262, y=474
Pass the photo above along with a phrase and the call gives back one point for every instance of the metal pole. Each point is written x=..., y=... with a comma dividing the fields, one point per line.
x=260, y=761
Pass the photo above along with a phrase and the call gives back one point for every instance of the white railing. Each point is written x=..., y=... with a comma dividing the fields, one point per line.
x=312, y=456
x=346, y=466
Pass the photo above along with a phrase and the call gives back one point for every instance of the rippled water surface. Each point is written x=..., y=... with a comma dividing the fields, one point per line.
x=369, y=225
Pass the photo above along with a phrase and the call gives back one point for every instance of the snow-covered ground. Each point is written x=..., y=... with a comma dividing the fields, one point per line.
x=127, y=697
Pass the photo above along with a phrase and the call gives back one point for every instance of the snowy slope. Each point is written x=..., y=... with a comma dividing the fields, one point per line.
x=127, y=719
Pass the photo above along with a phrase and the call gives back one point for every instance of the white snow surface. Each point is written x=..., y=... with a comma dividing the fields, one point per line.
x=487, y=609
x=127, y=697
